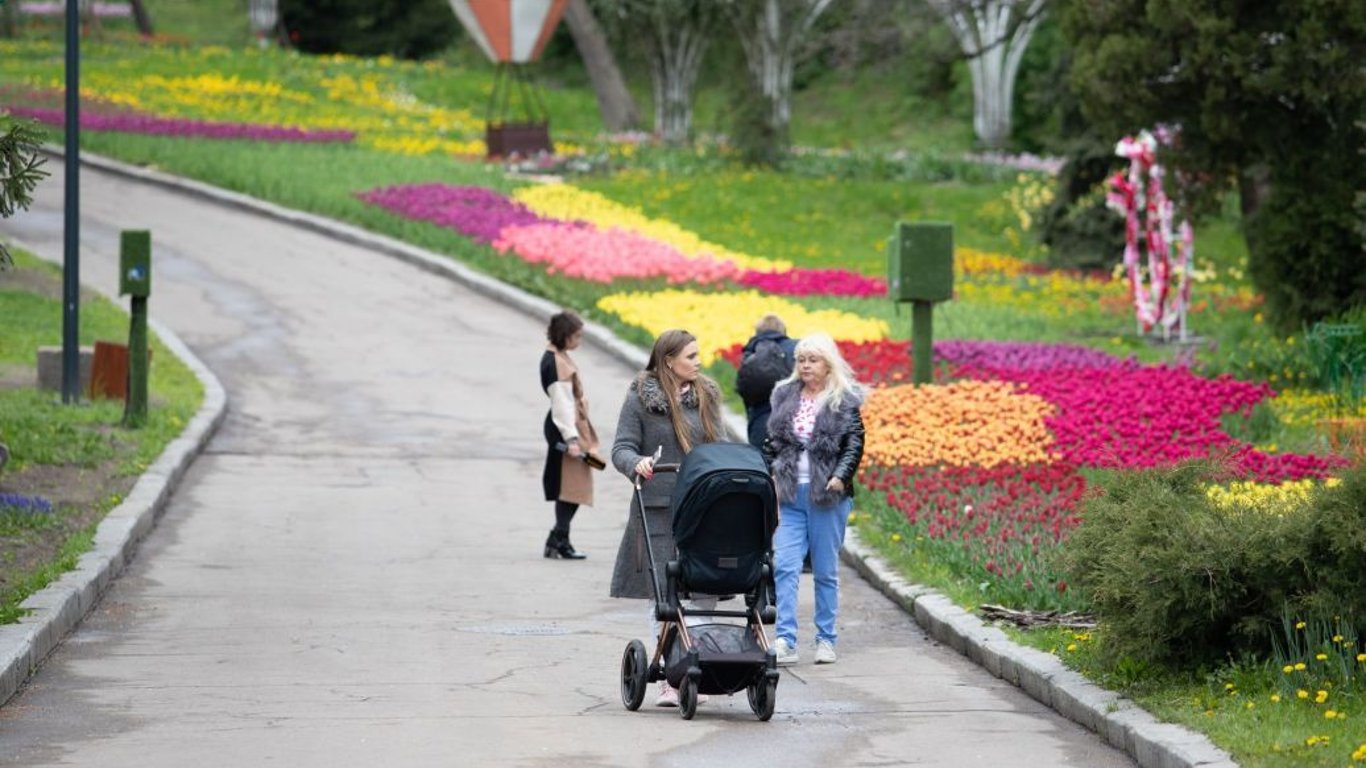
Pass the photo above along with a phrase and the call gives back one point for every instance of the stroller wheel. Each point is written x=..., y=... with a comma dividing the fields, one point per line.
x=633, y=675
x=687, y=698
x=763, y=695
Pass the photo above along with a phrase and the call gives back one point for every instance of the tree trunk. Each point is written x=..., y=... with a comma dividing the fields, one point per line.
x=9, y=19
x=675, y=58
x=771, y=31
x=1254, y=189
x=618, y=109
x=141, y=18
x=994, y=53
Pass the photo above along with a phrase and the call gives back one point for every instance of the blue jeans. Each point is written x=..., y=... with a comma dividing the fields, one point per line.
x=820, y=531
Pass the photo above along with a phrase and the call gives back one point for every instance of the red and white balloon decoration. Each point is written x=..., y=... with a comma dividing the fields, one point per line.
x=1148, y=213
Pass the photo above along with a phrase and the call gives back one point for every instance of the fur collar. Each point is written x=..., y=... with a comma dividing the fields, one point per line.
x=652, y=396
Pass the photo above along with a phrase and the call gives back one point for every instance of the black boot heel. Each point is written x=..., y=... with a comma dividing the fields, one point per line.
x=563, y=548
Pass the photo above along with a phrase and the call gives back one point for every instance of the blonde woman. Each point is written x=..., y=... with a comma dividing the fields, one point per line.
x=814, y=446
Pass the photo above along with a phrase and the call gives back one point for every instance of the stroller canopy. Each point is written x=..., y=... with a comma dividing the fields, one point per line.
x=724, y=512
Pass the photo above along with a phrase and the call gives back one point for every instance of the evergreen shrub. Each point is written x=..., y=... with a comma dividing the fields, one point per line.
x=1080, y=232
x=1175, y=580
x=406, y=29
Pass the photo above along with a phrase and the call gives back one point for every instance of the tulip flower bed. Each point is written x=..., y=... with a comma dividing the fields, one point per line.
x=1000, y=524
x=377, y=101
x=151, y=125
x=726, y=318
x=1011, y=410
x=601, y=242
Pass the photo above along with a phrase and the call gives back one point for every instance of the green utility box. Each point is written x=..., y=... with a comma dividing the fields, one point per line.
x=920, y=261
x=135, y=263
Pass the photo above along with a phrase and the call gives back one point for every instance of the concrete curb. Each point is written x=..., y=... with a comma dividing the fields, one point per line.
x=59, y=607
x=1120, y=722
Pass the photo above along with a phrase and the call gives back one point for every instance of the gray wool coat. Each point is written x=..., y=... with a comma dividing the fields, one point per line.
x=644, y=425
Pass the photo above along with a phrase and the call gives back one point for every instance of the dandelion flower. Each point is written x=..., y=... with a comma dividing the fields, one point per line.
x=1321, y=697
x=1330, y=714
x=1275, y=698
x=1287, y=669
x=1299, y=625
x=1301, y=693
x=1300, y=666
x=1321, y=657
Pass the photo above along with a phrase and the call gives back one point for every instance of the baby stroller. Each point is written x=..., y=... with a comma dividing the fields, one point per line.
x=725, y=510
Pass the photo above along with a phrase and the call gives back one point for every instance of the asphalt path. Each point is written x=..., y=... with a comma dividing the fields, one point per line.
x=351, y=575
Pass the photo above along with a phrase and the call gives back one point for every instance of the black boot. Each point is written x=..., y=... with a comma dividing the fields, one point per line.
x=557, y=545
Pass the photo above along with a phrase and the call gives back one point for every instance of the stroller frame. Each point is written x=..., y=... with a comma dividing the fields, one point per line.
x=755, y=669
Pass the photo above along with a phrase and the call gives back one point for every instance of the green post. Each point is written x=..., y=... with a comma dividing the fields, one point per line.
x=920, y=271
x=135, y=279
x=922, y=342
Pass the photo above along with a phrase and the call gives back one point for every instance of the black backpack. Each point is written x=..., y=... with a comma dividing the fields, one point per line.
x=760, y=370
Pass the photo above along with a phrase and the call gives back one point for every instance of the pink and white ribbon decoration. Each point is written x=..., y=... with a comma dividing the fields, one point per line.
x=1141, y=192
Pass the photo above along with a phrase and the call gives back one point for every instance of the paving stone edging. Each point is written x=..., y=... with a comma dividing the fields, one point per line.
x=1124, y=725
x=59, y=607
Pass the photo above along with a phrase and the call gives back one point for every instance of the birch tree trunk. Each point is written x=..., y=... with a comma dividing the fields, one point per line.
x=771, y=31
x=676, y=40
x=615, y=103
x=994, y=41
x=675, y=59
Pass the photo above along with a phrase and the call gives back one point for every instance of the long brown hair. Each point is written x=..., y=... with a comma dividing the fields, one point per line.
x=670, y=344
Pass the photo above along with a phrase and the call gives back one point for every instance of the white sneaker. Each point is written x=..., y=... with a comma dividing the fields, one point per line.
x=668, y=695
x=786, y=653
x=825, y=652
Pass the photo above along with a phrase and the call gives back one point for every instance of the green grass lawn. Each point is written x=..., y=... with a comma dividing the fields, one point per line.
x=76, y=456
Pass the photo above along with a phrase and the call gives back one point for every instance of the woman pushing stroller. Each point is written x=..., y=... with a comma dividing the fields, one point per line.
x=670, y=407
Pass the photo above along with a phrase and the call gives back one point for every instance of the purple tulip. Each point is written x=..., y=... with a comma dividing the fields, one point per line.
x=151, y=125
x=475, y=212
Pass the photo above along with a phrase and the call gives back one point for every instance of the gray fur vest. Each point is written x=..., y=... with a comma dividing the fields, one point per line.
x=834, y=450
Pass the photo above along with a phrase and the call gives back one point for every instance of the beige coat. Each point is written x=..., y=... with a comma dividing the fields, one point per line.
x=569, y=411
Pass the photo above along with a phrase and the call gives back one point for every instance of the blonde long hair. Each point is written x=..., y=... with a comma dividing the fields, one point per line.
x=670, y=344
x=841, y=382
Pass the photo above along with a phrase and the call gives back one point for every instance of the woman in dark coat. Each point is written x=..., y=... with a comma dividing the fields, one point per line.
x=814, y=446
x=569, y=435
x=671, y=406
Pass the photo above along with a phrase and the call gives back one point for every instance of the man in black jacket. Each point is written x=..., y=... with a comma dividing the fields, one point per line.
x=766, y=359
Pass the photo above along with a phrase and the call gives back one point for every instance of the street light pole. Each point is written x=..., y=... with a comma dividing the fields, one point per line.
x=71, y=262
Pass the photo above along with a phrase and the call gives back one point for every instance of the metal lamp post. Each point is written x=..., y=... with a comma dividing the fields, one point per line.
x=71, y=236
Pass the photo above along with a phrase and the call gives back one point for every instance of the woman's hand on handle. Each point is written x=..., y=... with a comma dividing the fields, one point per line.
x=646, y=467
